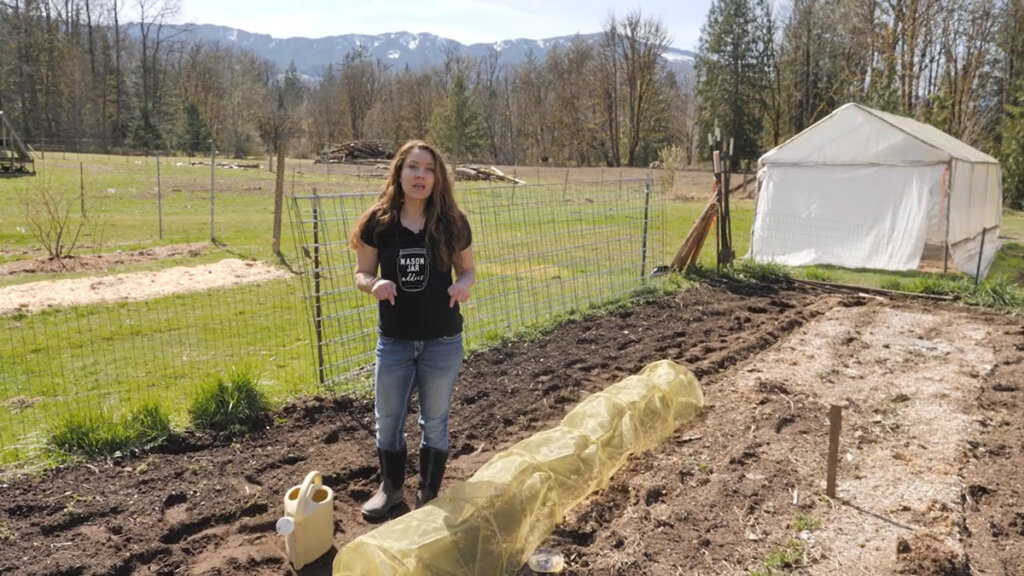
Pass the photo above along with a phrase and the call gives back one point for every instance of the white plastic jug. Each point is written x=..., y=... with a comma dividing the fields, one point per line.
x=308, y=521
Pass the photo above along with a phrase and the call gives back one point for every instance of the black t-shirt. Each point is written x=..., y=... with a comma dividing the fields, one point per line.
x=421, y=309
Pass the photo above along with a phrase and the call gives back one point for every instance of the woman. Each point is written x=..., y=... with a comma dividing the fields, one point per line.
x=407, y=246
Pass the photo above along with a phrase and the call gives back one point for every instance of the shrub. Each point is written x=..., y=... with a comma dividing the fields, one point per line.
x=55, y=218
x=670, y=158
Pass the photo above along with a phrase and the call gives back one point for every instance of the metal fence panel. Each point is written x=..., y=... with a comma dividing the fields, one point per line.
x=541, y=252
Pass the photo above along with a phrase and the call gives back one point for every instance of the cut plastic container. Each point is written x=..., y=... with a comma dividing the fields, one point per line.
x=492, y=522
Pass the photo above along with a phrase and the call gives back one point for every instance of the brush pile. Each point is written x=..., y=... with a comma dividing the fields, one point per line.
x=356, y=151
x=489, y=173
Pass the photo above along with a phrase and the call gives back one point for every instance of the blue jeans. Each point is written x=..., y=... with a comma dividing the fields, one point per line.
x=431, y=366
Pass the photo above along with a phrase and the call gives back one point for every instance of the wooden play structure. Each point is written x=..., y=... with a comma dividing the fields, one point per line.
x=15, y=156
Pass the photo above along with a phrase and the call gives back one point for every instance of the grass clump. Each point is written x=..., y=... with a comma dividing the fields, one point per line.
x=759, y=272
x=148, y=425
x=781, y=560
x=234, y=404
x=818, y=275
x=805, y=522
x=96, y=433
x=893, y=284
x=998, y=293
x=790, y=556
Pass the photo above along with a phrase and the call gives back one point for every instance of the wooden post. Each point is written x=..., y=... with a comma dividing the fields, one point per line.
x=835, y=425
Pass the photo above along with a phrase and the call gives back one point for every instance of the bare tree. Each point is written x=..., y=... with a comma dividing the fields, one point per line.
x=608, y=77
x=575, y=102
x=153, y=16
x=641, y=42
x=531, y=113
x=968, y=59
x=361, y=85
x=326, y=108
x=487, y=77
x=413, y=98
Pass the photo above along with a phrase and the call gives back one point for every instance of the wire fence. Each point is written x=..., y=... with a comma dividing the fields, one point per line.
x=541, y=251
x=108, y=358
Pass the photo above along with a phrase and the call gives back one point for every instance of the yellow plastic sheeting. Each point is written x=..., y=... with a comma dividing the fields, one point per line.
x=490, y=523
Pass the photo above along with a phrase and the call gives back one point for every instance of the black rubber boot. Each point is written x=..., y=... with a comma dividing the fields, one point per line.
x=389, y=494
x=432, y=466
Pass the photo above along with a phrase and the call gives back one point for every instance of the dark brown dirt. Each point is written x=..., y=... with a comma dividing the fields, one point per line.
x=724, y=495
x=80, y=260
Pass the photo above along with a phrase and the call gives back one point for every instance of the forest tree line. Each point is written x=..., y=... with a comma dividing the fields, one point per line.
x=116, y=76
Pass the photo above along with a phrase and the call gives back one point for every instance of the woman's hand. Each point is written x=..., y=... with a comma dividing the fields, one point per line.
x=384, y=290
x=458, y=293
x=465, y=276
x=366, y=275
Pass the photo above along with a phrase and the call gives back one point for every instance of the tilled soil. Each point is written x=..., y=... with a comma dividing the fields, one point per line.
x=929, y=480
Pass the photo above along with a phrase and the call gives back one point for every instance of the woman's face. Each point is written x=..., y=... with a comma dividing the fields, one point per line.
x=417, y=176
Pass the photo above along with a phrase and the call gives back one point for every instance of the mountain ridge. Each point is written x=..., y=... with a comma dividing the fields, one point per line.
x=416, y=50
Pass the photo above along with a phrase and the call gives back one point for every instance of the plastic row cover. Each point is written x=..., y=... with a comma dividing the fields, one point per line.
x=490, y=523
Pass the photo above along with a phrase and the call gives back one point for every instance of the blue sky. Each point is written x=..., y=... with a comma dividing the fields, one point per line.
x=467, y=21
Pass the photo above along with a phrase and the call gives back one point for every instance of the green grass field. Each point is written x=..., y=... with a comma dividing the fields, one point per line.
x=167, y=347
x=112, y=356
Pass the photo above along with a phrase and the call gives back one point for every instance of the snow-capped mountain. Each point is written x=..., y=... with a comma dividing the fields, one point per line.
x=400, y=49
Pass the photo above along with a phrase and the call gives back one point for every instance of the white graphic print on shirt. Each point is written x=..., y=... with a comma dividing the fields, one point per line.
x=412, y=269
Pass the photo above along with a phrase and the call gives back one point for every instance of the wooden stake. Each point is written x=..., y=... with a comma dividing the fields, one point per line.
x=835, y=425
x=689, y=252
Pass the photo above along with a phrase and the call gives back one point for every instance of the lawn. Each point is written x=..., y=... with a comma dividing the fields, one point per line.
x=532, y=271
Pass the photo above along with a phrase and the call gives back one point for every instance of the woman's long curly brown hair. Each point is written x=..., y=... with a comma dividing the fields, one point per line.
x=445, y=225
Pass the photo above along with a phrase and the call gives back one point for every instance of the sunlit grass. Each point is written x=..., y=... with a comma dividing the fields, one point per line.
x=89, y=433
x=234, y=403
x=177, y=342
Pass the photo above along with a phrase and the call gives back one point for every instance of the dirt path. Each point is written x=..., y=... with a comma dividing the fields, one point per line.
x=35, y=296
x=32, y=297
x=929, y=482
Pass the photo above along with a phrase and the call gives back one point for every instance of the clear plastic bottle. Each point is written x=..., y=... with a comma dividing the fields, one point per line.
x=546, y=561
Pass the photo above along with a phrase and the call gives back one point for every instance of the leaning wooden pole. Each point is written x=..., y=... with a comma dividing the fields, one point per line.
x=689, y=252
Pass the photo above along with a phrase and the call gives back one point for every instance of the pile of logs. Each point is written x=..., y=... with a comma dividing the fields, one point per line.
x=355, y=151
x=472, y=172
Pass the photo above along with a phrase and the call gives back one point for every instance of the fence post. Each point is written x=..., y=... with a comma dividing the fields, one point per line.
x=317, y=307
x=981, y=255
x=212, y=155
x=643, y=237
x=81, y=188
x=159, y=204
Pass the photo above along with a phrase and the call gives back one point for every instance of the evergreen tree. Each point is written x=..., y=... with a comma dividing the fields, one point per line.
x=145, y=134
x=1007, y=137
x=455, y=125
x=733, y=72
x=1011, y=157
x=196, y=134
